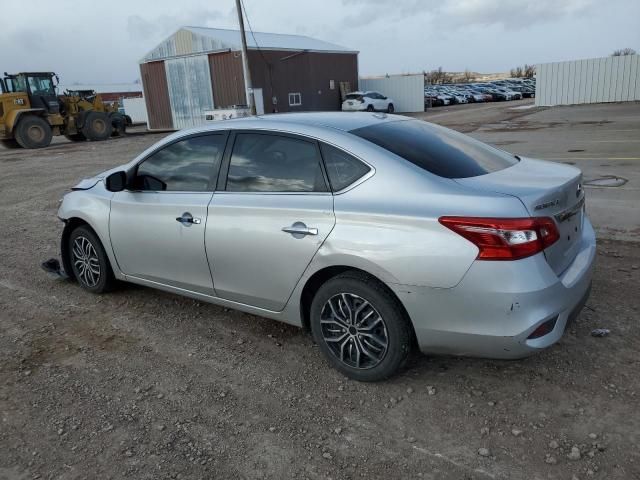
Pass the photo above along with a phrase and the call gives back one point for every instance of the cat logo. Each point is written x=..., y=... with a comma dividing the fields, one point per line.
x=19, y=101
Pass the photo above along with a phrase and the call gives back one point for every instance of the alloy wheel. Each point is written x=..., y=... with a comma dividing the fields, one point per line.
x=86, y=261
x=354, y=331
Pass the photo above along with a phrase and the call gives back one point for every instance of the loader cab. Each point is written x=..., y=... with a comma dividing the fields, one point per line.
x=39, y=87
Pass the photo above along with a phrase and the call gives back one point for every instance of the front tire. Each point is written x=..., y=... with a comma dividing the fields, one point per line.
x=390, y=108
x=33, y=132
x=360, y=327
x=89, y=261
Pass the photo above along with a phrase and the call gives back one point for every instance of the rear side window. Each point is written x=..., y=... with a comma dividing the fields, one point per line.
x=438, y=150
x=342, y=168
x=189, y=165
x=272, y=163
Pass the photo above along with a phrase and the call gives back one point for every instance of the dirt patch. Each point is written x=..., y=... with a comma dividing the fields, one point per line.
x=519, y=126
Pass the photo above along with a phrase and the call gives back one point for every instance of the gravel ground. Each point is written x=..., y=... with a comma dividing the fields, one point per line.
x=147, y=385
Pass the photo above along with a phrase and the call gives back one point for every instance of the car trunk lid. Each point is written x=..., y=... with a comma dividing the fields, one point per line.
x=546, y=189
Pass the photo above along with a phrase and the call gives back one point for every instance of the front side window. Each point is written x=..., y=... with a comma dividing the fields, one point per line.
x=272, y=163
x=41, y=86
x=343, y=169
x=189, y=165
x=295, y=99
x=16, y=84
x=438, y=150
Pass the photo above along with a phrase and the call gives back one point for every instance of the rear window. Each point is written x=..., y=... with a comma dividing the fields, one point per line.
x=353, y=96
x=438, y=150
x=342, y=168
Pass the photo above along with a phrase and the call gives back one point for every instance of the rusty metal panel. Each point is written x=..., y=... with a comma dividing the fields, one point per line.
x=227, y=79
x=189, y=85
x=156, y=95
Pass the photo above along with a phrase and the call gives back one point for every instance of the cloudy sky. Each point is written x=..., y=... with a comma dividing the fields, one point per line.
x=103, y=44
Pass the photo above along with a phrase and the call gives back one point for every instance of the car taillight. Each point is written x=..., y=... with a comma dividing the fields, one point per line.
x=505, y=238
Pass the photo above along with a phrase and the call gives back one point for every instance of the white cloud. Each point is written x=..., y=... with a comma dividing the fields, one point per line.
x=392, y=36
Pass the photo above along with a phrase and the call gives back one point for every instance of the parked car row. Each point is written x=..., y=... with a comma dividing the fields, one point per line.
x=500, y=90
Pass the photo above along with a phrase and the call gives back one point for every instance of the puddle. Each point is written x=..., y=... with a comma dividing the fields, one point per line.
x=575, y=150
x=606, y=181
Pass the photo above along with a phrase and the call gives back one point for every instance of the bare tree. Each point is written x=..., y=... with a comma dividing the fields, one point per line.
x=437, y=76
x=468, y=76
x=624, y=51
x=529, y=71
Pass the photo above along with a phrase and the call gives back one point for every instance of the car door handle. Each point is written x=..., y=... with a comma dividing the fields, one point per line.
x=299, y=230
x=187, y=219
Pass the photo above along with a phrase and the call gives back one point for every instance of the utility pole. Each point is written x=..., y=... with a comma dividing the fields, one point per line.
x=245, y=63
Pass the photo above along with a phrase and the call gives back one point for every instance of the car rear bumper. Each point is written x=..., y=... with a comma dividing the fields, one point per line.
x=354, y=108
x=497, y=306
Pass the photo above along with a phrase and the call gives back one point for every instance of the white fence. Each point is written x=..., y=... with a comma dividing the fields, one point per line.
x=595, y=80
x=136, y=109
x=407, y=91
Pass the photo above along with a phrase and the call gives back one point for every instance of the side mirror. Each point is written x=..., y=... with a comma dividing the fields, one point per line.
x=116, y=182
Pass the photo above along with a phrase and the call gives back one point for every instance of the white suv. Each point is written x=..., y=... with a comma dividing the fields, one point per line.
x=367, y=101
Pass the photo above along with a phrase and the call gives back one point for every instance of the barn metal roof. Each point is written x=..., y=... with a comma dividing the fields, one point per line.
x=193, y=40
x=270, y=40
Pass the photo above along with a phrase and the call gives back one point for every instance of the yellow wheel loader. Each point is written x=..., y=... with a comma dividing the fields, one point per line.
x=31, y=112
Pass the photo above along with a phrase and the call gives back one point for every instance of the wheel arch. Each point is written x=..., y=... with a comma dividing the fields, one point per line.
x=70, y=224
x=14, y=116
x=320, y=277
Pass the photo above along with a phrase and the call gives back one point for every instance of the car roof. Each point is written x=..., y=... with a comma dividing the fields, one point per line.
x=344, y=121
x=294, y=122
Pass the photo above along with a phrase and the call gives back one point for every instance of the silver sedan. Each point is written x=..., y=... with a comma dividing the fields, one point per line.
x=377, y=232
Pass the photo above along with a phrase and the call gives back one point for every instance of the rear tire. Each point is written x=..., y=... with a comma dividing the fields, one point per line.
x=89, y=261
x=10, y=143
x=97, y=126
x=360, y=327
x=33, y=132
x=370, y=108
x=118, y=124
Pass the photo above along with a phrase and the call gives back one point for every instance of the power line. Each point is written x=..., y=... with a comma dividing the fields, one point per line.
x=269, y=66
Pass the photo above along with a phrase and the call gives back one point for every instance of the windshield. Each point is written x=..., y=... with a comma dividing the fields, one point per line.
x=438, y=150
x=41, y=86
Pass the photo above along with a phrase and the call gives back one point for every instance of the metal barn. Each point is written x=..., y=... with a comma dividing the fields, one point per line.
x=198, y=69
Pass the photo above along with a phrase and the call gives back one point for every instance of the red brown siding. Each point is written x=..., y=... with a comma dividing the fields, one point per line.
x=227, y=79
x=279, y=73
x=156, y=97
